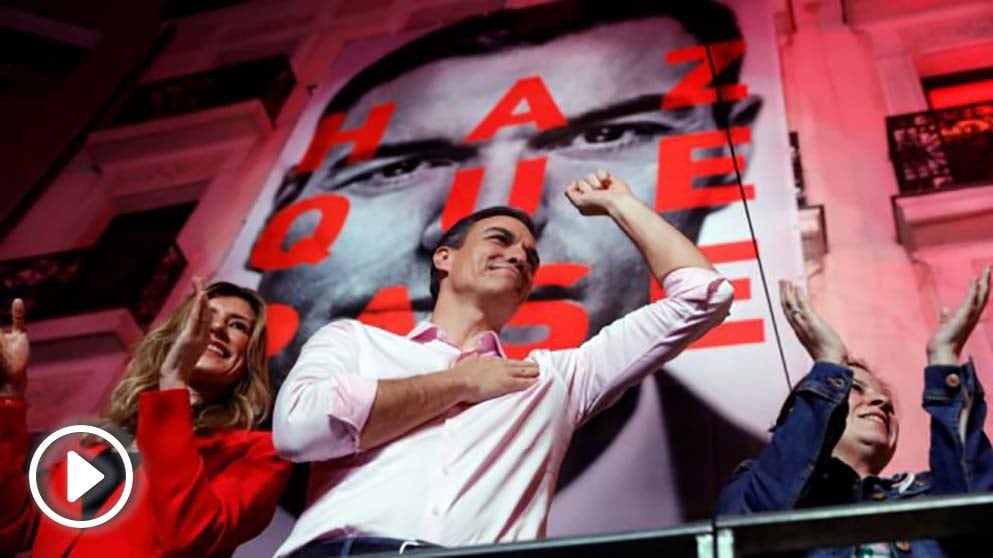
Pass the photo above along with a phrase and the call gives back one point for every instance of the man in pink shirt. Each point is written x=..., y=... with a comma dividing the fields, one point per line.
x=436, y=436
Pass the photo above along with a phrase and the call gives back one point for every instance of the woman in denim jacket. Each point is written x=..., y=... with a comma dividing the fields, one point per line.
x=837, y=430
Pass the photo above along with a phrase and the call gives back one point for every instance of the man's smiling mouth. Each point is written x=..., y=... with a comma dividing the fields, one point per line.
x=877, y=417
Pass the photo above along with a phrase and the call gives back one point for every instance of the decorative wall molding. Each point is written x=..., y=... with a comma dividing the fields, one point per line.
x=938, y=33
x=901, y=36
x=211, y=127
x=118, y=322
x=427, y=16
x=179, y=168
x=946, y=217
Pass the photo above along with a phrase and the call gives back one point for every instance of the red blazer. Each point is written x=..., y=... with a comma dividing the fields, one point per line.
x=194, y=494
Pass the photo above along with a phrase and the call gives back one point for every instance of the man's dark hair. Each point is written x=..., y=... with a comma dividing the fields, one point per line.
x=708, y=21
x=455, y=236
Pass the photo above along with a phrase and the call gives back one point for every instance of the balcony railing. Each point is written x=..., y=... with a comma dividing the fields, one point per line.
x=767, y=533
x=270, y=80
x=942, y=149
x=134, y=265
x=80, y=281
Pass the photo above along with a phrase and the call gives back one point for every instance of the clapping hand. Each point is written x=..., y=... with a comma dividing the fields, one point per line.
x=14, y=353
x=955, y=327
x=189, y=344
x=822, y=342
x=594, y=194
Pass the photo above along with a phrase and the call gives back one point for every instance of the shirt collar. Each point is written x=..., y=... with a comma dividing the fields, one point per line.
x=426, y=331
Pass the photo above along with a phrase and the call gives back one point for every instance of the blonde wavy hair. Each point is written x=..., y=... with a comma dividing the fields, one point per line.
x=245, y=406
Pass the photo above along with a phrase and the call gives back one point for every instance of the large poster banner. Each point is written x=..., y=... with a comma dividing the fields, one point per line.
x=409, y=133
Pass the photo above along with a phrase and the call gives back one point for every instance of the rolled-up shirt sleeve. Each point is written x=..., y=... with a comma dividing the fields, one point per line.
x=630, y=348
x=324, y=403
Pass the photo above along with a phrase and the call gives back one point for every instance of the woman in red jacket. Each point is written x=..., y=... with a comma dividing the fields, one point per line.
x=204, y=481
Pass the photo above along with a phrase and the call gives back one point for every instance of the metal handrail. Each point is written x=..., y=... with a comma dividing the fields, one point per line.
x=683, y=540
x=935, y=517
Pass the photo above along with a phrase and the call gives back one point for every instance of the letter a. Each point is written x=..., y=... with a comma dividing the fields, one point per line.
x=542, y=111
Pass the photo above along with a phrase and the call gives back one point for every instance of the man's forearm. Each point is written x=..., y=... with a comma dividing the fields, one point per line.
x=402, y=405
x=662, y=245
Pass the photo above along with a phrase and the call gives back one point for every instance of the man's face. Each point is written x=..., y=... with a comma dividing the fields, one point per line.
x=871, y=428
x=495, y=264
x=606, y=82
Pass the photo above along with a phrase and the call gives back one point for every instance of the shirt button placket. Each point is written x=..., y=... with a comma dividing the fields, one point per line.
x=439, y=486
x=443, y=489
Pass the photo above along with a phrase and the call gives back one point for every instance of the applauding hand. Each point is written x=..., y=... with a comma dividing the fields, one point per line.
x=189, y=344
x=822, y=342
x=946, y=343
x=14, y=353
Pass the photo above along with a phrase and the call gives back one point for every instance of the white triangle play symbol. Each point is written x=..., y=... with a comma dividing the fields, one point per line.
x=80, y=476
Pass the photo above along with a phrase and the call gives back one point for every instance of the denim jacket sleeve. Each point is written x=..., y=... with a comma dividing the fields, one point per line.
x=813, y=425
x=957, y=465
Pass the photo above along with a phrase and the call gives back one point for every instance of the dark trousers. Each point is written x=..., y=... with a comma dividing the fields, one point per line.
x=354, y=546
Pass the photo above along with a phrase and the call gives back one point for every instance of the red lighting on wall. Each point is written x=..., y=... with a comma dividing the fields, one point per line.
x=964, y=87
x=964, y=94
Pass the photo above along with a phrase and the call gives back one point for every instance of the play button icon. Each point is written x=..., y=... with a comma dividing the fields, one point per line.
x=80, y=476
